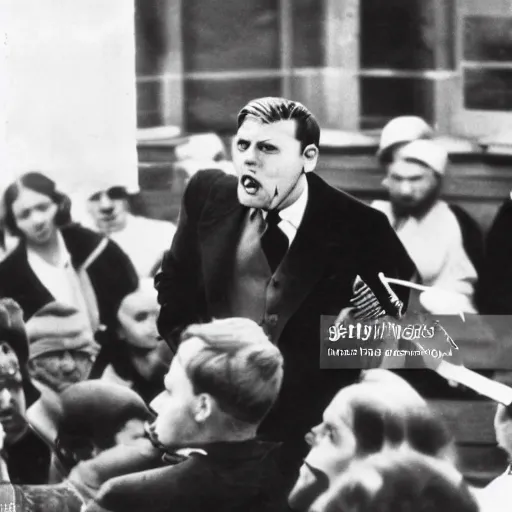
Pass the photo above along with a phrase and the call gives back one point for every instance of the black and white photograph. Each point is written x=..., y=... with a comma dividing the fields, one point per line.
x=254, y=255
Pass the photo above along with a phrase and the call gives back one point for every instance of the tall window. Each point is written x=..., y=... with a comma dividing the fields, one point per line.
x=151, y=42
x=405, y=47
x=231, y=54
x=227, y=53
x=487, y=63
x=484, y=50
x=356, y=63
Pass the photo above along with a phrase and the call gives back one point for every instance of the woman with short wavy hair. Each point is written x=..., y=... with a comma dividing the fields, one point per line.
x=57, y=260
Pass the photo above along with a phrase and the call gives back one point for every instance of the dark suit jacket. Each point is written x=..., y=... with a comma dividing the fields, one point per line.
x=472, y=236
x=233, y=477
x=28, y=460
x=338, y=239
x=495, y=291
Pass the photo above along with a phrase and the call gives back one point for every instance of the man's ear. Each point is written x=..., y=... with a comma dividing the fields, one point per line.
x=310, y=156
x=203, y=407
x=385, y=183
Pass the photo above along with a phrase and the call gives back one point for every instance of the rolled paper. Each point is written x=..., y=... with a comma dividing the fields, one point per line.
x=482, y=385
x=420, y=287
x=402, y=282
x=393, y=298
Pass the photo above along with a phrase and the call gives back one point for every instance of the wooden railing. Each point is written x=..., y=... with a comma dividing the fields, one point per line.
x=476, y=181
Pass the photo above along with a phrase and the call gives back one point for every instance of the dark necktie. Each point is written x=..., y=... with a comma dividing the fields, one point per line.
x=273, y=241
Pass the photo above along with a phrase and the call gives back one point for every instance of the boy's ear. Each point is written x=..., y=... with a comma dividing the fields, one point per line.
x=203, y=407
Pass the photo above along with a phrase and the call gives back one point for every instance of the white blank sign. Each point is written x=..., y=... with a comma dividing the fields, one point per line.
x=67, y=92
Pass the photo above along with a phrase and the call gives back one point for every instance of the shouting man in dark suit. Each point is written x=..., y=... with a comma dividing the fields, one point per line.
x=280, y=246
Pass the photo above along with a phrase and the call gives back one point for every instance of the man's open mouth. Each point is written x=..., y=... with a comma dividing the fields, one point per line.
x=251, y=186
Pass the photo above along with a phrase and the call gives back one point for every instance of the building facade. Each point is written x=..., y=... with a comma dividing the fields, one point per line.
x=355, y=63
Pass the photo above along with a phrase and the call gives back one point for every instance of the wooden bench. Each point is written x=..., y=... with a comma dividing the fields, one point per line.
x=477, y=182
x=471, y=422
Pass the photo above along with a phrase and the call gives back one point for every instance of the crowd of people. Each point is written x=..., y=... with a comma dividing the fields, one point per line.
x=148, y=366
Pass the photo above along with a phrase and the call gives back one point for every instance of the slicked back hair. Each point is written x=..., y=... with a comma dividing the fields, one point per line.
x=238, y=366
x=271, y=110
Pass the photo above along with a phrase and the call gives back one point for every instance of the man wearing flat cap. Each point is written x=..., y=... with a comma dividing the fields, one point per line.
x=62, y=352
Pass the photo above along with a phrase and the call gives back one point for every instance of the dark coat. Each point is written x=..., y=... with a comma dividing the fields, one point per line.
x=472, y=237
x=28, y=460
x=233, y=477
x=495, y=290
x=110, y=271
x=338, y=239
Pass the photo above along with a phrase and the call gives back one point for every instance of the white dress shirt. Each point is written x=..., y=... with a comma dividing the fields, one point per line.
x=61, y=279
x=144, y=240
x=434, y=242
x=291, y=216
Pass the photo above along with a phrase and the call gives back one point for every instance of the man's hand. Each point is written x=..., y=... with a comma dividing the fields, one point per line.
x=364, y=304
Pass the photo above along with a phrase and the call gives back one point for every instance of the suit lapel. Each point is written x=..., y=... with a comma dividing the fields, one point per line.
x=303, y=267
x=308, y=256
x=30, y=291
x=219, y=232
